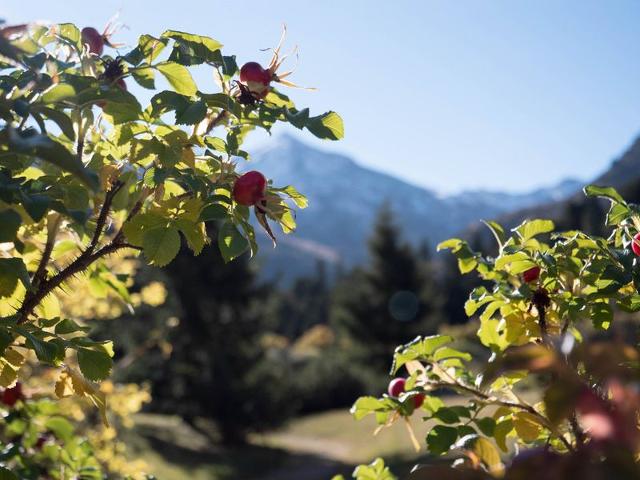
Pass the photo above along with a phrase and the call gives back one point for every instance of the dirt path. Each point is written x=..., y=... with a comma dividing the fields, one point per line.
x=311, y=459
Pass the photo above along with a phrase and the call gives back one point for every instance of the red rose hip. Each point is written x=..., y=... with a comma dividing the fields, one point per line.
x=94, y=39
x=250, y=188
x=635, y=244
x=11, y=395
x=418, y=400
x=531, y=275
x=396, y=387
x=256, y=78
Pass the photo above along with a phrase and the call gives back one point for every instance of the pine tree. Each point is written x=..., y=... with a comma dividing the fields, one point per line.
x=302, y=305
x=388, y=302
x=217, y=369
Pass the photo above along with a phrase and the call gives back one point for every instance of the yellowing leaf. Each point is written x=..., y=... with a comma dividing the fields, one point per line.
x=527, y=426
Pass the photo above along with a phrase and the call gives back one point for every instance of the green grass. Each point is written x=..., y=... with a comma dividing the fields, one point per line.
x=310, y=448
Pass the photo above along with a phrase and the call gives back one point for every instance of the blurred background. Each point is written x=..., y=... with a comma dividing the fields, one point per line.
x=454, y=112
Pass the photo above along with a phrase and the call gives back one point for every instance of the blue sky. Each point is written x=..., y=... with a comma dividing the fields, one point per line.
x=449, y=95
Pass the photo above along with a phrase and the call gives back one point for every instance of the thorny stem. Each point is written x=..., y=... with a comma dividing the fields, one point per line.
x=45, y=286
x=41, y=271
x=102, y=216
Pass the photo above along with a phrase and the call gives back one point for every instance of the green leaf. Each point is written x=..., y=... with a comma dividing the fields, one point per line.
x=60, y=426
x=440, y=438
x=193, y=114
x=178, y=77
x=194, y=233
x=530, y=228
x=231, y=242
x=46, y=352
x=67, y=326
x=214, y=211
x=161, y=245
x=421, y=348
x=446, y=415
x=57, y=93
x=12, y=270
x=487, y=425
x=299, y=199
x=70, y=33
x=194, y=49
x=145, y=77
x=61, y=119
x=94, y=364
x=484, y=450
x=601, y=315
x=43, y=147
x=376, y=470
x=367, y=405
x=327, y=126
x=147, y=50
x=604, y=192
x=10, y=222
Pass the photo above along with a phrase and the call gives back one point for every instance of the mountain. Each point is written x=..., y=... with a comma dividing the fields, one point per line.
x=576, y=210
x=344, y=198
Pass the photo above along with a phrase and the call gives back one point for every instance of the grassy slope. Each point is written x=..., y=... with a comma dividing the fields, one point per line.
x=314, y=447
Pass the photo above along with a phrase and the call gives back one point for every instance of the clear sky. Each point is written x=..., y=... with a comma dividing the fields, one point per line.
x=446, y=94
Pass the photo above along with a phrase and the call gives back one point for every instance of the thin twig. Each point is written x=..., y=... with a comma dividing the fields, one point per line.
x=503, y=403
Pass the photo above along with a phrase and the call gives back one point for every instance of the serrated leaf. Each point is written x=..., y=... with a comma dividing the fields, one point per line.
x=194, y=232
x=605, y=192
x=145, y=77
x=161, y=245
x=43, y=147
x=10, y=222
x=12, y=271
x=299, y=199
x=484, y=451
x=326, y=126
x=440, y=439
x=178, y=77
x=530, y=228
x=58, y=93
x=193, y=114
x=94, y=364
x=231, y=242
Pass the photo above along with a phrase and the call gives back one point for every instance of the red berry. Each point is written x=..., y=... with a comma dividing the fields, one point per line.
x=94, y=39
x=531, y=275
x=635, y=244
x=396, y=387
x=253, y=72
x=256, y=78
x=250, y=188
x=418, y=400
x=11, y=395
